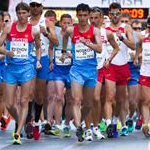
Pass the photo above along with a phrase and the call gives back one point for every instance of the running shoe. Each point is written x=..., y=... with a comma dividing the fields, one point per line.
x=29, y=130
x=146, y=131
x=80, y=134
x=43, y=126
x=56, y=130
x=97, y=133
x=115, y=132
x=4, y=122
x=66, y=131
x=124, y=131
x=138, y=125
x=130, y=125
x=88, y=135
x=102, y=126
x=16, y=139
x=36, y=133
x=119, y=126
x=47, y=129
x=110, y=130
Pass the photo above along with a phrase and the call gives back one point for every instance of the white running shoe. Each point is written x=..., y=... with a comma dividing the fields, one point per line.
x=98, y=133
x=89, y=135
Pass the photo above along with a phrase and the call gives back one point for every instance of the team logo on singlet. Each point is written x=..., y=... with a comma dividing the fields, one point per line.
x=26, y=36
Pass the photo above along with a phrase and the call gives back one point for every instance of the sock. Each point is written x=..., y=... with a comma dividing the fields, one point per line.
x=108, y=122
x=16, y=126
x=115, y=120
x=38, y=109
x=29, y=116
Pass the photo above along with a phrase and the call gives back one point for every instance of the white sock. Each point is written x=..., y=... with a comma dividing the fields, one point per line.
x=108, y=122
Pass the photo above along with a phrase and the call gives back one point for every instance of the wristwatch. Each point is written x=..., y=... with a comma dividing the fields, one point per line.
x=121, y=38
x=63, y=51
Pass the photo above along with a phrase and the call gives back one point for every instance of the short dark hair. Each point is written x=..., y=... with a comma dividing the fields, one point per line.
x=97, y=9
x=114, y=5
x=7, y=14
x=22, y=6
x=136, y=22
x=50, y=13
x=2, y=14
x=148, y=21
x=83, y=7
x=126, y=15
x=65, y=16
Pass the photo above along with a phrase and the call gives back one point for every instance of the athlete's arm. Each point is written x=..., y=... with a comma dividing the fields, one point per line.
x=51, y=33
x=2, y=56
x=68, y=33
x=6, y=52
x=130, y=40
x=51, y=53
x=5, y=32
x=138, y=50
x=98, y=45
x=113, y=43
x=36, y=37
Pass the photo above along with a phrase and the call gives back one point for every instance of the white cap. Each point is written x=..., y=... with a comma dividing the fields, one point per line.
x=36, y=1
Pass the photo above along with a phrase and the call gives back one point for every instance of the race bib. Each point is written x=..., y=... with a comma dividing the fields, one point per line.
x=83, y=52
x=58, y=55
x=146, y=52
x=109, y=48
x=43, y=49
x=20, y=48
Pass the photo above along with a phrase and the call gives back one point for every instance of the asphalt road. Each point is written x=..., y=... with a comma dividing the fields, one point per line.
x=134, y=141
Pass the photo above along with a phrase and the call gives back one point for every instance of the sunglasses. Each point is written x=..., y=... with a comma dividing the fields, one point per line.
x=35, y=5
x=115, y=13
x=124, y=21
x=136, y=28
x=50, y=18
x=6, y=21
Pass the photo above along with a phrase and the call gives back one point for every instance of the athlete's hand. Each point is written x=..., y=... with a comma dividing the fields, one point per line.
x=132, y=55
x=83, y=40
x=38, y=65
x=10, y=53
x=51, y=66
x=43, y=30
x=63, y=57
x=118, y=33
x=2, y=56
x=136, y=61
x=106, y=64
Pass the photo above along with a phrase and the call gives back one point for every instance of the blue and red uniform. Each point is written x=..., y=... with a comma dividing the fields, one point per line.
x=20, y=67
x=83, y=70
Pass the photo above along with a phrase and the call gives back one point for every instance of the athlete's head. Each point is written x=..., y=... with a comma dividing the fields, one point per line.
x=36, y=7
x=22, y=6
x=1, y=19
x=7, y=17
x=96, y=16
x=83, y=12
x=125, y=18
x=148, y=24
x=115, y=12
x=136, y=25
x=50, y=15
x=65, y=21
x=22, y=11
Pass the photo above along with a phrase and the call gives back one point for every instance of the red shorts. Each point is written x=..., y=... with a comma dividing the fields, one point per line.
x=100, y=77
x=143, y=80
x=119, y=74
